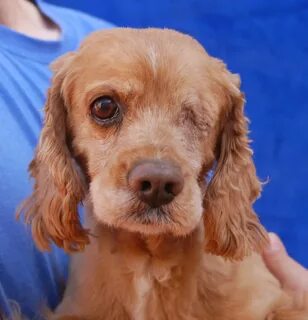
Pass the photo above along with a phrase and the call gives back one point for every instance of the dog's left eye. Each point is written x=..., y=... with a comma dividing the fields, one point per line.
x=105, y=109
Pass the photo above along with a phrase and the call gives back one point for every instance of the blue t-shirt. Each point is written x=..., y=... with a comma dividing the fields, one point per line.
x=27, y=276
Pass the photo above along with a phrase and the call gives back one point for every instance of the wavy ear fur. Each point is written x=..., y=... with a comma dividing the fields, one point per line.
x=231, y=226
x=52, y=208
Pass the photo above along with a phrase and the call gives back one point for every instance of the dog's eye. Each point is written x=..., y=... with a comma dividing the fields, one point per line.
x=104, y=109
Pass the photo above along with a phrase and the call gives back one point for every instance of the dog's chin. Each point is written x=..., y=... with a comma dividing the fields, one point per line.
x=155, y=221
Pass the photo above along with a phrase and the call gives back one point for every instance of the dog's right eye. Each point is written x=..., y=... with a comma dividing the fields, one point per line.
x=105, y=109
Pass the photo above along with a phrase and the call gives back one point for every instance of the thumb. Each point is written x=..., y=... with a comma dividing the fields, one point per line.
x=290, y=274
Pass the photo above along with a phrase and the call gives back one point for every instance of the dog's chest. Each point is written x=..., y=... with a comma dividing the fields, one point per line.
x=143, y=285
x=148, y=284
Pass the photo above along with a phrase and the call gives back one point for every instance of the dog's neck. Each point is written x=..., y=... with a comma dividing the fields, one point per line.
x=136, y=270
x=162, y=247
x=155, y=256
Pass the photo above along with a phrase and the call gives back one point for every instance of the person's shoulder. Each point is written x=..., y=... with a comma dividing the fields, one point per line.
x=77, y=20
x=87, y=20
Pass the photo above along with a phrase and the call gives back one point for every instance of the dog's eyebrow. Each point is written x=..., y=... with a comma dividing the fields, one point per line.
x=121, y=88
x=191, y=98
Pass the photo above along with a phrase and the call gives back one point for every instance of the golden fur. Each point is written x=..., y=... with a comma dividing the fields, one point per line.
x=181, y=105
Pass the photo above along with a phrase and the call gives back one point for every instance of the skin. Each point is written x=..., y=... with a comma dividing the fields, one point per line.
x=24, y=17
x=290, y=274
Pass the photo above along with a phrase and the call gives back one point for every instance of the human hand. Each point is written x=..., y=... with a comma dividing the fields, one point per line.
x=290, y=274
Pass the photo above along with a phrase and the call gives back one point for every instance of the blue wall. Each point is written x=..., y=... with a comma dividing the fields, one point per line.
x=266, y=42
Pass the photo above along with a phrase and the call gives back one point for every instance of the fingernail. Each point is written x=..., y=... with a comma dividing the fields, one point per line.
x=275, y=243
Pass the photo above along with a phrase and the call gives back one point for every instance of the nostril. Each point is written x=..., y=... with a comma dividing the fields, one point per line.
x=146, y=186
x=169, y=188
x=156, y=183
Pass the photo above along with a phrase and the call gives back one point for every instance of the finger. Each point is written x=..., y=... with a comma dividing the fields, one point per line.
x=291, y=275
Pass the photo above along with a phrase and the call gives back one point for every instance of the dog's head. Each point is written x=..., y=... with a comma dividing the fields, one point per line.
x=134, y=121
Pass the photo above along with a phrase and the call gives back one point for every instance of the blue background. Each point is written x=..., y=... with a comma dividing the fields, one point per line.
x=266, y=42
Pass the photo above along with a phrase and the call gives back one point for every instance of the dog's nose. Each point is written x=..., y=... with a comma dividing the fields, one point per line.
x=156, y=182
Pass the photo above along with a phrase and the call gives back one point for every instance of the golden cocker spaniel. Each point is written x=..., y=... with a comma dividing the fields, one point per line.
x=135, y=121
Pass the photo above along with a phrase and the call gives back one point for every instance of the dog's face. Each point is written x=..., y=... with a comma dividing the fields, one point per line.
x=137, y=103
x=134, y=121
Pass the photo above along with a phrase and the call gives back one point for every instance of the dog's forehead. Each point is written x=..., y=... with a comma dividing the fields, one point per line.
x=135, y=40
x=145, y=50
x=151, y=60
x=148, y=67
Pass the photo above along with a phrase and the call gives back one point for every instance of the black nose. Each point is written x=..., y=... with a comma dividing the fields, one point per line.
x=156, y=182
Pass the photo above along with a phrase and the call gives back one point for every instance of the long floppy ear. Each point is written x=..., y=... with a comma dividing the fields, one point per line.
x=232, y=228
x=52, y=208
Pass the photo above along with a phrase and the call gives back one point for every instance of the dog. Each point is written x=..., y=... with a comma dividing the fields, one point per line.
x=135, y=122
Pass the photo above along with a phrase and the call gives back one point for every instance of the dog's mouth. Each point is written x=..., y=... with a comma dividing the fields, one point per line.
x=152, y=216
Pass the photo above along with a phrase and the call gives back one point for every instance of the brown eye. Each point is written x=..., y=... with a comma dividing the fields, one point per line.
x=105, y=109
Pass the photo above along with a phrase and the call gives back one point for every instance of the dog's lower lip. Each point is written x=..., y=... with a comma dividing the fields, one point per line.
x=152, y=216
x=155, y=210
